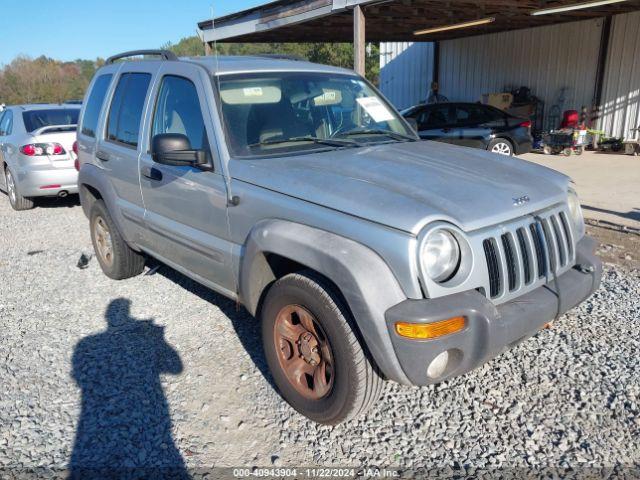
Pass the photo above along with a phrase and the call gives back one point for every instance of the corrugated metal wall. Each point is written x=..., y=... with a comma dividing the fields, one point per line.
x=553, y=61
x=621, y=93
x=406, y=72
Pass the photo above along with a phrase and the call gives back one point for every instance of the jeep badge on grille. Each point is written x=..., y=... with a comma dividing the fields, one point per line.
x=518, y=202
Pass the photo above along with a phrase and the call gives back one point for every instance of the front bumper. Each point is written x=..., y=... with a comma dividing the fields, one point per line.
x=489, y=329
x=31, y=181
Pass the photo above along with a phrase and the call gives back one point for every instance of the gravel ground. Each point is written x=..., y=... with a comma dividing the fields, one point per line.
x=158, y=371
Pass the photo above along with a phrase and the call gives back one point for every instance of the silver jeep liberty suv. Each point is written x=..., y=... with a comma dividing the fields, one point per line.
x=299, y=191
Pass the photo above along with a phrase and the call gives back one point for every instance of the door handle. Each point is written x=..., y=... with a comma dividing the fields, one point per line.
x=102, y=156
x=151, y=173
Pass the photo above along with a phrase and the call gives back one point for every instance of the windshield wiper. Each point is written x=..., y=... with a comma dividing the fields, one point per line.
x=333, y=142
x=378, y=131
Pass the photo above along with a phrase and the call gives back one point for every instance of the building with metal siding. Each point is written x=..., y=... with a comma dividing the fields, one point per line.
x=553, y=61
x=621, y=93
x=406, y=72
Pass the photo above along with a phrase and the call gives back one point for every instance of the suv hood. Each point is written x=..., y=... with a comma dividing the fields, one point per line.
x=407, y=185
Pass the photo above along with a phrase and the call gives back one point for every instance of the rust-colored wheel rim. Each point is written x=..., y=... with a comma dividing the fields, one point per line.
x=104, y=244
x=304, y=352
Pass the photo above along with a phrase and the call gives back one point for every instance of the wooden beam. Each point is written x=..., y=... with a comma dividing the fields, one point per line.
x=359, y=47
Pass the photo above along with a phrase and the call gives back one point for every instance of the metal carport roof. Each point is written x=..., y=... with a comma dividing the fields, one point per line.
x=391, y=20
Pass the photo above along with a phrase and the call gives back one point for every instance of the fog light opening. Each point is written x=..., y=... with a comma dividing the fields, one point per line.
x=438, y=365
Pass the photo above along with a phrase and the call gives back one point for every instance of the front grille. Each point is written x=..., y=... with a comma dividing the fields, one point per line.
x=522, y=241
x=528, y=253
x=511, y=261
x=536, y=235
x=493, y=266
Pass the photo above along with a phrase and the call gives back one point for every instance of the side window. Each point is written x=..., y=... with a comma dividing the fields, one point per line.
x=126, y=108
x=6, y=124
x=469, y=115
x=94, y=105
x=178, y=111
x=463, y=116
x=433, y=118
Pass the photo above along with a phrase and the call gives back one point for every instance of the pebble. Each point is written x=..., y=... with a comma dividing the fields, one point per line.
x=164, y=387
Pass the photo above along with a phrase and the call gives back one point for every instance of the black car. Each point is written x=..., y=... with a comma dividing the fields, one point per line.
x=472, y=125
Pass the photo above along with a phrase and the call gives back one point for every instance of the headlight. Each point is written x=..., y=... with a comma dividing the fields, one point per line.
x=440, y=255
x=575, y=210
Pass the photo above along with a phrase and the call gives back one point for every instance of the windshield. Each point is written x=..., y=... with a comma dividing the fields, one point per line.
x=293, y=112
x=35, y=119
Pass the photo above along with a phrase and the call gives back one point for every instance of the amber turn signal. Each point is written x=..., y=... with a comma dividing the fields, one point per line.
x=426, y=331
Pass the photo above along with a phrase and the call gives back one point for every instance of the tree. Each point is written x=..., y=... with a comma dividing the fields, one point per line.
x=43, y=79
x=28, y=80
x=336, y=54
x=186, y=47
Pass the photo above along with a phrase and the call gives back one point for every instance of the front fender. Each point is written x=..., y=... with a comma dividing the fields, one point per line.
x=365, y=280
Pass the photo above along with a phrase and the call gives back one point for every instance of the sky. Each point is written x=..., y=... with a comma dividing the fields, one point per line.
x=72, y=29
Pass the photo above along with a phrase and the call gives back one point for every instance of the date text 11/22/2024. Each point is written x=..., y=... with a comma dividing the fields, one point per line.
x=315, y=473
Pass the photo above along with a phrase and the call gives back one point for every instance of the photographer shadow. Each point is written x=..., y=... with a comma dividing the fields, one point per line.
x=125, y=425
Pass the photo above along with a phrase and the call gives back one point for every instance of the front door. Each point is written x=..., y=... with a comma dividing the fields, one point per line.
x=186, y=207
x=434, y=123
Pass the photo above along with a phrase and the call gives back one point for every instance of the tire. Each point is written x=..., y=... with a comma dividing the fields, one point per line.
x=501, y=146
x=117, y=260
x=567, y=152
x=351, y=383
x=17, y=201
x=579, y=150
x=547, y=150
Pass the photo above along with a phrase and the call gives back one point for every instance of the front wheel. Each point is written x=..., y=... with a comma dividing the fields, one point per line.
x=17, y=201
x=314, y=355
x=116, y=258
x=501, y=147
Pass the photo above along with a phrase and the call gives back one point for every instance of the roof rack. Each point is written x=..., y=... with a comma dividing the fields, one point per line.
x=165, y=54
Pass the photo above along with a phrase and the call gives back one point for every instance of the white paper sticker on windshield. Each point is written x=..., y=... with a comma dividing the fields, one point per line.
x=252, y=92
x=376, y=109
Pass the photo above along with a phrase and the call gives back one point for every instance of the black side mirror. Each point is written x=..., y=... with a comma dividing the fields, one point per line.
x=413, y=123
x=175, y=149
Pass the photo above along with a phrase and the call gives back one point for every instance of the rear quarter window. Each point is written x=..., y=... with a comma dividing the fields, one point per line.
x=126, y=108
x=94, y=105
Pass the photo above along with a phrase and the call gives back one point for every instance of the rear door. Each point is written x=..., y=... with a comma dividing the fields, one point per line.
x=186, y=207
x=118, y=150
